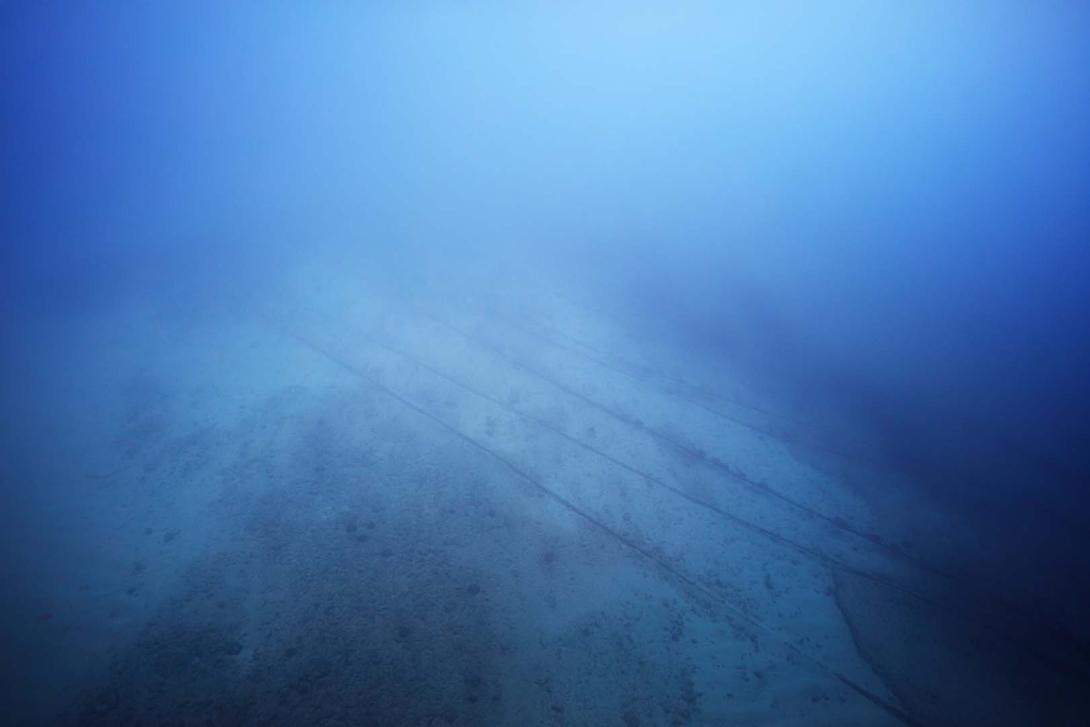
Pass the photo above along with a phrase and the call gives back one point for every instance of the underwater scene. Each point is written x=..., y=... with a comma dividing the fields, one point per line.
x=556, y=364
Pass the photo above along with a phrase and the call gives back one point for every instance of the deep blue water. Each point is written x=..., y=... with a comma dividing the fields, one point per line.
x=489, y=364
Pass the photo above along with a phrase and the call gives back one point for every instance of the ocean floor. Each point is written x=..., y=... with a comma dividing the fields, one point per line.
x=352, y=508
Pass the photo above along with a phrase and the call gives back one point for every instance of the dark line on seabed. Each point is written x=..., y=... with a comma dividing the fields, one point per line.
x=772, y=535
x=631, y=371
x=692, y=400
x=633, y=374
x=742, y=522
x=712, y=595
x=1057, y=633
x=695, y=454
x=789, y=438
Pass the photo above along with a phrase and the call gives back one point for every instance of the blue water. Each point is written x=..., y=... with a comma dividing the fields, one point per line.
x=488, y=364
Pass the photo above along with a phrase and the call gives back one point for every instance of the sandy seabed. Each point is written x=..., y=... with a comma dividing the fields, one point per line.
x=349, y=509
